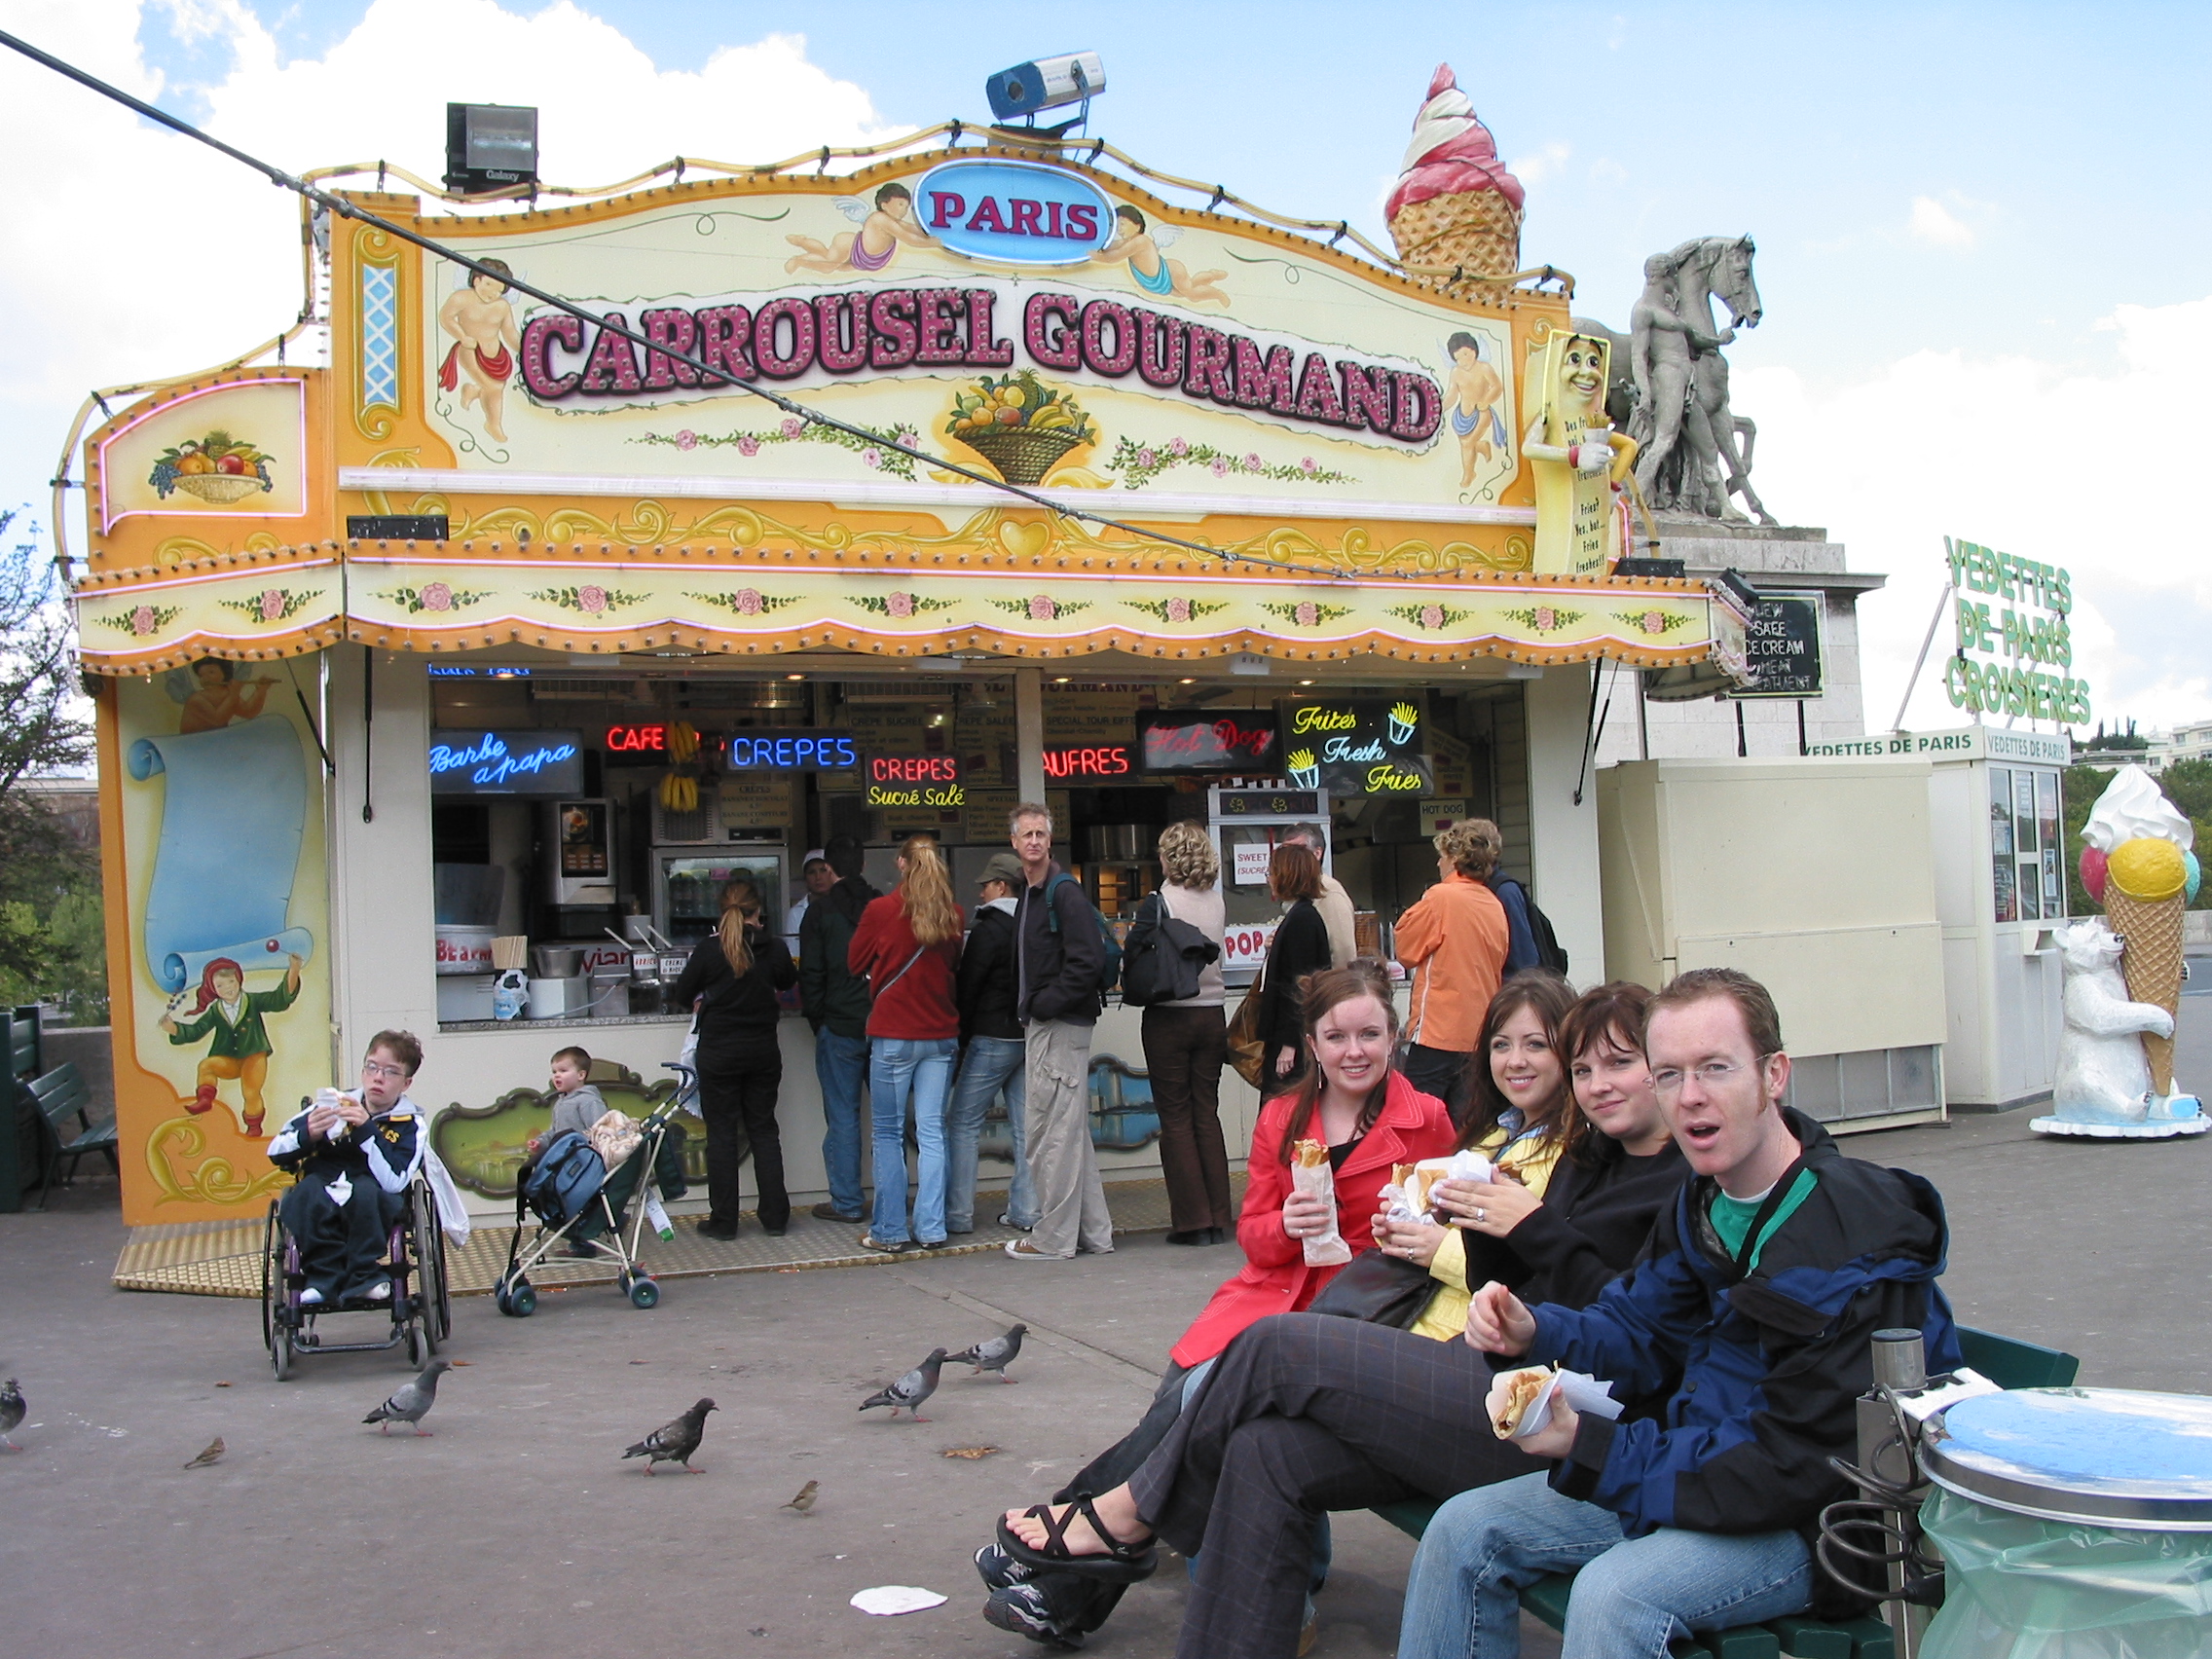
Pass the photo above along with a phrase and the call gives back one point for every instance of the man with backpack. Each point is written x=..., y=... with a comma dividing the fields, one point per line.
x=1062, y=965
x=835, y=1001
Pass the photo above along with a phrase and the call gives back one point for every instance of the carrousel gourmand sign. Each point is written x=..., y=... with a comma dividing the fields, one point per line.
x=1011, y=314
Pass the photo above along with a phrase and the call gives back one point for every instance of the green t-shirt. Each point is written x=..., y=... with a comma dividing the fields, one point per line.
x=1732, y=1217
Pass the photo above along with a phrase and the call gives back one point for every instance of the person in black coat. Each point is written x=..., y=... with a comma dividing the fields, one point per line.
x=735, y=975
x=1301, y=946
x=992, y=1054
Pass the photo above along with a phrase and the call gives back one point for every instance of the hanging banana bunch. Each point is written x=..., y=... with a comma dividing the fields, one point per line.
x=680, y=785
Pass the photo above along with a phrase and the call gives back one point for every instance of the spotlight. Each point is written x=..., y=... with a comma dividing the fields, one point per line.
x=1051, y=83
x=490, y=147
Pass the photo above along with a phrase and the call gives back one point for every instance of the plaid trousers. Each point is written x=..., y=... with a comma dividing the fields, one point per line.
x=1304, y=1413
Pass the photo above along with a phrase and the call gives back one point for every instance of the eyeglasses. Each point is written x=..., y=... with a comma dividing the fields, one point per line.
x=370, y=1068
x=1712, y=1074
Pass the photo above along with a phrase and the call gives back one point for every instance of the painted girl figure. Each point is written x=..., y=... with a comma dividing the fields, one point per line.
x=882, y=228
x=232, y=1016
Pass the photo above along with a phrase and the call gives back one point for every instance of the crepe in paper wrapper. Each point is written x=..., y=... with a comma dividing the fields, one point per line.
x=1455, y=205
x=1519, y=1402
x=1309, y=1173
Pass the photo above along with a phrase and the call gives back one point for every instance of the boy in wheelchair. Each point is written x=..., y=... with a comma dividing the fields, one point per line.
x=355, y=1155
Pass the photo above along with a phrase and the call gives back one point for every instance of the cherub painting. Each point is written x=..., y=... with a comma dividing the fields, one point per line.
x=1142, y=248
x=1473, y=392
x=219, y=695
x=485, y=343
x=872, y=248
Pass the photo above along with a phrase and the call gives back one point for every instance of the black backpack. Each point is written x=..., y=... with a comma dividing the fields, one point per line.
x=1549, y=953
x=1163, y=957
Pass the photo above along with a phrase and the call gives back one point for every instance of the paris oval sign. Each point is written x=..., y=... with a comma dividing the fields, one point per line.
x=1014, y=212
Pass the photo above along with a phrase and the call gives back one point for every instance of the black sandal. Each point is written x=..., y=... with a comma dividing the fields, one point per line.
x=1121, y=1564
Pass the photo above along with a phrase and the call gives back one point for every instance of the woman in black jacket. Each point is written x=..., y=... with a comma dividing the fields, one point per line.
x=1301, y=946
x=735, y=974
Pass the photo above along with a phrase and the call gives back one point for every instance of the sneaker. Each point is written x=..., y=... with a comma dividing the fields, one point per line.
x=311, y=1296
x=889, y=1246
x=998, y=1569
x=1022, y=1609
x=1021, y=1250
x=1005, y=1219
x=380, y=1291
x=830, y=1212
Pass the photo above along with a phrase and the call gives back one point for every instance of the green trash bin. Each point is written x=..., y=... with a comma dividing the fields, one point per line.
x=2074, y=1524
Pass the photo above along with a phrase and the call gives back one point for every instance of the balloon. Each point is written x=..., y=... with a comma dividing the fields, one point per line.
x=2196, y=876
x=2094, y=872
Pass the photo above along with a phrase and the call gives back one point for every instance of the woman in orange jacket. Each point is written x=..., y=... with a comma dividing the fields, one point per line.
x=1453, y=937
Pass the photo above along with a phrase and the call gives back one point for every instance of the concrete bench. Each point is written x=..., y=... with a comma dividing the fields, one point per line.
x=2005, y=1361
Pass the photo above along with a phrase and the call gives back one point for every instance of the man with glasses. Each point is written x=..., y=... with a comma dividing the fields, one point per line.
x=1740, y=1342
x=355, y=1155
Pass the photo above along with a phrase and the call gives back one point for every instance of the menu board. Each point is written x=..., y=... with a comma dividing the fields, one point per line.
x=1239, y=742
x=1782, y=647
x=1357, y=745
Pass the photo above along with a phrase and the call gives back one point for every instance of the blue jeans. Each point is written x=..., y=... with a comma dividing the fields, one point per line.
x=1632, y=1597
x=840, y=1066
x=899, y=1067
x=990, y=1064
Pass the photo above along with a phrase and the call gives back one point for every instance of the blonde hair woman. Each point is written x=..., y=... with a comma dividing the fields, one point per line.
x=1186, y=1043
x=907, y=947
x=734, y=978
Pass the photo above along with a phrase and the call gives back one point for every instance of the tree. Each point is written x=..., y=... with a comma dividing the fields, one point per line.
x=41, y=732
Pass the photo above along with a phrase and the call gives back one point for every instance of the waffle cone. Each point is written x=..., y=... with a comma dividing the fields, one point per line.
x=2152, y=964
x=1474, y=232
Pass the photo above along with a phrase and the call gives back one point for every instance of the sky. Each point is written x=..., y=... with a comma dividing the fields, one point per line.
x=1984, y=249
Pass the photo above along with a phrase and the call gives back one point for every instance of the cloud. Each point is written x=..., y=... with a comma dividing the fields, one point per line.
x=155, y=256
x=1546, y=162
x=1933, y=223
x=2082, y=468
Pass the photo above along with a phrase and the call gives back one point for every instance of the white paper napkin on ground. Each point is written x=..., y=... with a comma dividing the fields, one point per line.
x=888, y=1598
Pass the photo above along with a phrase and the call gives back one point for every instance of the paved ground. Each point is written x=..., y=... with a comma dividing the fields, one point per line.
x=516, y=1530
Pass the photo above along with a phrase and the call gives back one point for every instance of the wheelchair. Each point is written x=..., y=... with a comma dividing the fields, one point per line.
x=420, y=1309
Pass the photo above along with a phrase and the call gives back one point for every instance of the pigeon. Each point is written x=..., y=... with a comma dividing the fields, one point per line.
x=674, y=1442
x=911, y=1389
x=12, y=1410
x=994, y=1355
x=214, y=1455
x=804, y=1502
x=410, y=1402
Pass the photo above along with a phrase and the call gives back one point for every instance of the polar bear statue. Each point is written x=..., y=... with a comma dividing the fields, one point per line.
x=2103, y=1078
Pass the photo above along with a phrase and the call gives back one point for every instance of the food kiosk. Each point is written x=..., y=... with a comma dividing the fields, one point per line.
x=502, y=592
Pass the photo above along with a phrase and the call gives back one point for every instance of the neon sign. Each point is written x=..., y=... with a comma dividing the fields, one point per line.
x=792, y=751
x=1362, y=747
x=1090, y=760
x=1194, y=741
x=636, y=739
x=914, y=780
x=506, y=762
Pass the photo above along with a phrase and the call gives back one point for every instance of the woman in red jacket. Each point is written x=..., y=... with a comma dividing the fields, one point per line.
x=1370, y=1117
x=907, y=947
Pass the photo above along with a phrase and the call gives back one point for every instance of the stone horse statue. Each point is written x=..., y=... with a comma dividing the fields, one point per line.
x=1669, y=384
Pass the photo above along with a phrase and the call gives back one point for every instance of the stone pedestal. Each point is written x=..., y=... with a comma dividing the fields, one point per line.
x=1783, y=559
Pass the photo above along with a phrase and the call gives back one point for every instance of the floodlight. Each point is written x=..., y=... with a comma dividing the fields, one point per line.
x=1050, y=82
x=490, y=147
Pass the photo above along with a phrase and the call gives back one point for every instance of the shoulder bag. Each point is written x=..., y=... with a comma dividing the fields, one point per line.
x=1247, y=1053
x=1377, y=1290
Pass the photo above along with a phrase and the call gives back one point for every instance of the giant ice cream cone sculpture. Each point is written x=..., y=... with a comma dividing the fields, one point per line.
x=1455, y=207
x=2145, y=845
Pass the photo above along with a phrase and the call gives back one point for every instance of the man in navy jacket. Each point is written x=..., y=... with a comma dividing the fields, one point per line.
x=1742, y=1334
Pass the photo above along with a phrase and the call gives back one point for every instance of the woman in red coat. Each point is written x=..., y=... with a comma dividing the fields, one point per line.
x=1370, y=1117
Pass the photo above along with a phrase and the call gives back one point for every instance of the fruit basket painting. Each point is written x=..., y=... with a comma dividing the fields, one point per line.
x=218, y=468
x=1019, y=424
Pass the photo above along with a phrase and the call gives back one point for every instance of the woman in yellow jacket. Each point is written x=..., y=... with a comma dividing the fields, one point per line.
x=1454, y=939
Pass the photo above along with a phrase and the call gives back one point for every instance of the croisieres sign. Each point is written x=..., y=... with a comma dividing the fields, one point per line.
x=1014, y=212
x=798, y=335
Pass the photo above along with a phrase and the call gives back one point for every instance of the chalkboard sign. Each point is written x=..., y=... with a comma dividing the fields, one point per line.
x=1782, y=644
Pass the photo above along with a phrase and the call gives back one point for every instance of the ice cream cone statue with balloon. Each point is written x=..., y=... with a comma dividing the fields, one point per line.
x=2137, y=861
